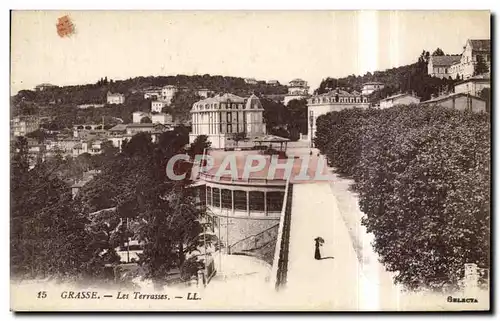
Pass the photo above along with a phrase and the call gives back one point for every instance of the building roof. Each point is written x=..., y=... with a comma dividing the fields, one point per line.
x=222, y=98
x=161, y=114
x=480, y=44
x=373, y=83
x=253, y=102
x=114, y=94
x=45, y=85
x=119, y=127
x=445, y=60
x=398, y=96
x=270, y=139
x=143, y=125
x=486, y=77
x=339, y=92
x=442, y=98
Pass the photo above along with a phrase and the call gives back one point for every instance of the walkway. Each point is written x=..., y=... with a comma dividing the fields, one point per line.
x=331, y=283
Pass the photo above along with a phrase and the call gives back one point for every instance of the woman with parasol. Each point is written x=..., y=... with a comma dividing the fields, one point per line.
x=319, y=242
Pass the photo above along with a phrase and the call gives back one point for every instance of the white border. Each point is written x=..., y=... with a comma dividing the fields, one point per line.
x=183, y=5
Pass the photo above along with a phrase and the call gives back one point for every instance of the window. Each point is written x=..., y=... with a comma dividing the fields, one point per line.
x=228, y=117
x=256, y=201
x=209, y=196
x=227, y=201
x=202, y=195
x=216, y=197
x=274, y=201
x=240, y=200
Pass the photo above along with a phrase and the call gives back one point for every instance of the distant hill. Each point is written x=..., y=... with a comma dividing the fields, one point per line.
x=406, y=78
x=96, y=93
x=60, y=103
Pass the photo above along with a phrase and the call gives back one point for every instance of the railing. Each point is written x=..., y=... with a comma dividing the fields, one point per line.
x=248, y=180
x=280, y=262
x=254, y=242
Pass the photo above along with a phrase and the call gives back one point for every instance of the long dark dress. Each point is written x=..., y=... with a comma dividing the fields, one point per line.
x=317, y=254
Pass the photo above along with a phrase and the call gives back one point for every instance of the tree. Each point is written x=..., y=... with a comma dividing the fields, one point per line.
x=39, y=134
x=480, y=67
x=486, y=95
x=181, y=105
x=146, y=120
x=297, y=117
x=422, y=176
x=380, y=94
x=438, y=52
x=167, y=216
x=237, y=137
x=198, y=146
x=274, y=115
x=48, y=236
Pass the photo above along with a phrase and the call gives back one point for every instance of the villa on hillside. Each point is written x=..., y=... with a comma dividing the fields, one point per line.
x=44, y=86
x=370, y=87
x=297, y=89
x=334, y=100
x=115, y=98
x=461, y=66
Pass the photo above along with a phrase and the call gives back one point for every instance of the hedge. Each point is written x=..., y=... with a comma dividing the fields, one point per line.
x=423, y=178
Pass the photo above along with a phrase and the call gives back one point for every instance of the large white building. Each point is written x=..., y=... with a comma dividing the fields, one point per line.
x=335, y=100
x=461, y=66
x=297, y=89
x=222, y=116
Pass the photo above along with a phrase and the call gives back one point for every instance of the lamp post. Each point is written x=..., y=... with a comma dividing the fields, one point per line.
x=311, y=120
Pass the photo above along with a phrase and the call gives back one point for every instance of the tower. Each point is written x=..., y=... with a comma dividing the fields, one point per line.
x=254, y=116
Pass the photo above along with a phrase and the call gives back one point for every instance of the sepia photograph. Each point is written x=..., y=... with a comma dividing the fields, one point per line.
x=322, y=161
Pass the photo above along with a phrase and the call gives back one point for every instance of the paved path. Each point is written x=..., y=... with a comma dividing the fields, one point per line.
x=330, y=283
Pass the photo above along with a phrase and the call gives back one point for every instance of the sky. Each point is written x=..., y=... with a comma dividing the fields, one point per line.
x=265, y=45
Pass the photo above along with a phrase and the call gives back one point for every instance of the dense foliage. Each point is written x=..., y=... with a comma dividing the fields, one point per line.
x=168, y=216
x=59, y=104
x=285, y=121
x=54, y=235
x=48, y=234
x=423, y=178
x=409, y=78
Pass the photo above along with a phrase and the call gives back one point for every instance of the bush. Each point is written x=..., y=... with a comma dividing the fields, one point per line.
x=423, y=178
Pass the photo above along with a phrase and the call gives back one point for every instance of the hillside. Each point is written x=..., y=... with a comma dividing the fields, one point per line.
x=59, y=104
x=406, y=78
